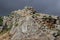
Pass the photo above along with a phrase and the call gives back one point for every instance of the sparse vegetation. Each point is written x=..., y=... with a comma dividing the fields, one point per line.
x=16, y=24
x=1, y=21
x=44, y=18
x=34, y=26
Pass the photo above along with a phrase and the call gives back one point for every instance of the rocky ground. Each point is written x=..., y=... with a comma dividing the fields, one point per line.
x=27, y=24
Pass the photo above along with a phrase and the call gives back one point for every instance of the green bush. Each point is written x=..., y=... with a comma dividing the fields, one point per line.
x=1, y=21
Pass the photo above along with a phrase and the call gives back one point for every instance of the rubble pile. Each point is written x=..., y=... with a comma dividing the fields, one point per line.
x=27, y=24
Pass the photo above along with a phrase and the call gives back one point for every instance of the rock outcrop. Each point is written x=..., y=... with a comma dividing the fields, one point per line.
x=27, y=24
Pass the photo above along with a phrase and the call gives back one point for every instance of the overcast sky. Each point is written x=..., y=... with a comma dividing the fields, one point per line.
x=46, y=6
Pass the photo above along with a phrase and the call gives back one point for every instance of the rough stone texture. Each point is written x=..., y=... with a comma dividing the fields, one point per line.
x=29, y=25
x=58, y=38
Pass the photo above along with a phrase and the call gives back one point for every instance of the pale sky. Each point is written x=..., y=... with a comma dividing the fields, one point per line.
x=45, y=6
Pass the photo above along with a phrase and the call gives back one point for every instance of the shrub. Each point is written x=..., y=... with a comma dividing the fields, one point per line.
x=1, y=21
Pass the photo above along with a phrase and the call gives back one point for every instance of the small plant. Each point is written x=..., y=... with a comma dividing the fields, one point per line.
x=50, y=17
x=37, y=14
x=1, y=21
x=44, y=18
x=16, y=24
